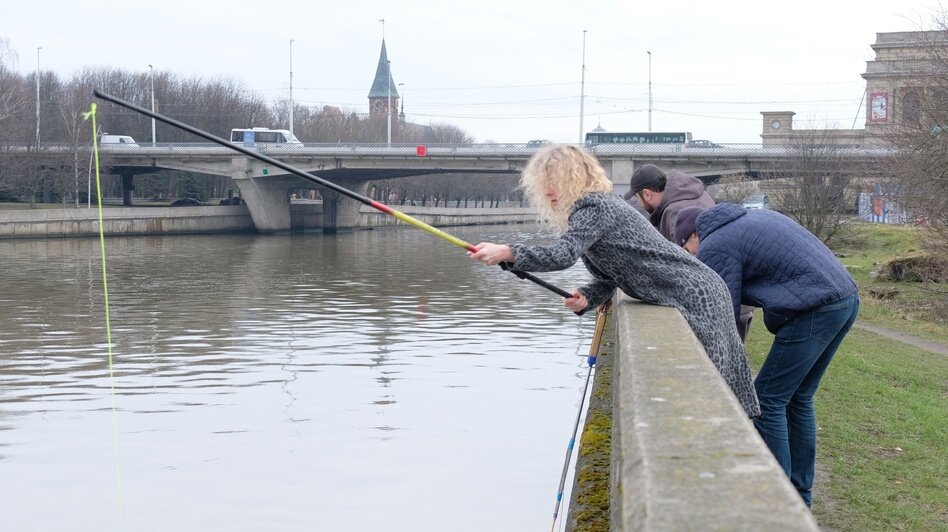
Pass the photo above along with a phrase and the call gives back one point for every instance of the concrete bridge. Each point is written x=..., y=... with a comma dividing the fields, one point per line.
x=352, y=166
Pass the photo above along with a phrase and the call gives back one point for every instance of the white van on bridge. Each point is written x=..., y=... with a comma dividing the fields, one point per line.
x=120, y=140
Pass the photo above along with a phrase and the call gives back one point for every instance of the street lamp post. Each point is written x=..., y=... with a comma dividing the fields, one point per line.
x=649, y=90
x=389, y=106
x=38, y=48
x=151, y=69
x=582, y=90
x=291, y=85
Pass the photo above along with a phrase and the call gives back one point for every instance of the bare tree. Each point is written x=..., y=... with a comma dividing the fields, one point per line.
x=814, y=186
x=215, y=105
x=732, y=189
x=920, y=165
x=12, y=99
x=443, y=133
x=14, y=104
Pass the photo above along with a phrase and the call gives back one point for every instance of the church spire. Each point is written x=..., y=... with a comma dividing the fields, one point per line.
x=383, y=86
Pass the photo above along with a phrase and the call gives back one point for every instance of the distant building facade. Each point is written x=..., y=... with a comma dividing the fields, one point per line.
x=896, y=91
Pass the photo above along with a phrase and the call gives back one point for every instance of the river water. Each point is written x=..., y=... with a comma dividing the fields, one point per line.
x=378, y=380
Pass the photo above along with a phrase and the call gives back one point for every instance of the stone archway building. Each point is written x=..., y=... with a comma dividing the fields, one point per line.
x=896, y=91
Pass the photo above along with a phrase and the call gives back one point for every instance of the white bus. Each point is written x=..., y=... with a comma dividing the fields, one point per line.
x=262, y=135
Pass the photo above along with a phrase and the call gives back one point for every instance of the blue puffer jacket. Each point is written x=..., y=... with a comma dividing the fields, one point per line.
x=768, y=260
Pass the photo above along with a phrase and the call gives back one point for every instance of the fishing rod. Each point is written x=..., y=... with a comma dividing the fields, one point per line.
x=506, y=266
x=591, y=360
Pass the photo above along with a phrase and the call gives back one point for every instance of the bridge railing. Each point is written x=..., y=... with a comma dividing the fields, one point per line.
x=444, y=150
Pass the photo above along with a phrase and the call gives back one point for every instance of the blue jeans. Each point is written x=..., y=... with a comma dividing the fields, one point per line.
x=800, y=354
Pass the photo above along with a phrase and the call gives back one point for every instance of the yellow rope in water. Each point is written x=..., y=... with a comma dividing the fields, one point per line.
x=108, y=325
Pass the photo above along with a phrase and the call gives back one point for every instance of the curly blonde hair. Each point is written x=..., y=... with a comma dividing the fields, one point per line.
x=572, y=170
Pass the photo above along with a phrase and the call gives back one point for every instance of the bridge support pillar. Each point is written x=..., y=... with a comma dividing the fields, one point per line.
x=341, y=213
x=128, y=185
x=619, y=172
x=265, y=195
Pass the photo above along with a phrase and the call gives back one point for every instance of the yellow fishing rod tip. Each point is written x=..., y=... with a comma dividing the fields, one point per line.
x=90, y=112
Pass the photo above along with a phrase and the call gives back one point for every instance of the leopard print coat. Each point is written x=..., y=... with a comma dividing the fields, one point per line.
x=622, y=249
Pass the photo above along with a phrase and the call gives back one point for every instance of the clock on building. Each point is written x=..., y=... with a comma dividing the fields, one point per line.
x=378, y=104
x=775, y=124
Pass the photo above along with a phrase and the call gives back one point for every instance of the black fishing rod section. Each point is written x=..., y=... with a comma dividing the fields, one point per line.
x=325, y=183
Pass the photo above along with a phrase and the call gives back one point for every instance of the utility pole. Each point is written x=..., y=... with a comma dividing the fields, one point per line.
x=38, y=48
x=582, y=91
x=389, y=106
x=152, y=70
x=291, y=85
x=649, y=90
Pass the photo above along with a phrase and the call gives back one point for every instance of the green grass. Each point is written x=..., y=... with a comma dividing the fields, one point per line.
x=882, y=455
x=882, y=408
x=592, y=470
x=919, y=308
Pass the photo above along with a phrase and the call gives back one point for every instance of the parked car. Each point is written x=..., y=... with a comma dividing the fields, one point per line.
x=536, y=143
x=186, y=202
x=701, y=144
x=756, y=201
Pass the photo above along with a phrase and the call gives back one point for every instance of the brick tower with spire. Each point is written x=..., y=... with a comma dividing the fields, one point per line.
x=383, y=88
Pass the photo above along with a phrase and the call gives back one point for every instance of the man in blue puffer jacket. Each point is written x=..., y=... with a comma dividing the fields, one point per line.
x=809, y=302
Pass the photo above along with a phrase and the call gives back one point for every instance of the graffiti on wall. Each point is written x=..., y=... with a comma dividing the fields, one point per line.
x=879, y=207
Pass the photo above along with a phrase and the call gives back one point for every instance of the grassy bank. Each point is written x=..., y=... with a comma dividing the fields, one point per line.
x=882, y=419
x=914, y=307
x=881, y=408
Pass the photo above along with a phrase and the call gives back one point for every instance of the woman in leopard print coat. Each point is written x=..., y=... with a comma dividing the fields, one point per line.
x=622, y=249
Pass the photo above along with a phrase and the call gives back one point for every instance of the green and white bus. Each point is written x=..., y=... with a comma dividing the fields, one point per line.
x=680, y=137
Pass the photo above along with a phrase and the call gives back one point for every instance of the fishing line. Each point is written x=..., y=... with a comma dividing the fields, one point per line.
x=591, y=361
x=506, y=266
x=108, y=325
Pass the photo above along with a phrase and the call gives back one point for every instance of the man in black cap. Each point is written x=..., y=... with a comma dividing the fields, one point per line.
x=662, y=196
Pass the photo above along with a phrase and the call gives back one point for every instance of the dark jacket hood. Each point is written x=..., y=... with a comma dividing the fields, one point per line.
x=768, y=260
x=679, y=187
x=713, y=219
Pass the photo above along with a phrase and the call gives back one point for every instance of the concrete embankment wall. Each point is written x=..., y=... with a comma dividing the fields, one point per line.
x=448, y=216
x=43, y=223
x=684, y=454
x=309, y=217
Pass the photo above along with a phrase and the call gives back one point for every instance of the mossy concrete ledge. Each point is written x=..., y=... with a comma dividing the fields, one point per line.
x=684, y=454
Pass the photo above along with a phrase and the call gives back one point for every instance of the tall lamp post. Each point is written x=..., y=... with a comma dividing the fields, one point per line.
x=389, y=106
x=38, y=48
x=649, y=90
x=291, y=85
x=582, y=90
x=151, y=69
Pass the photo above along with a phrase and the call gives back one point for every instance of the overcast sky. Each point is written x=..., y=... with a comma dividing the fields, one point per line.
x=504, y=71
